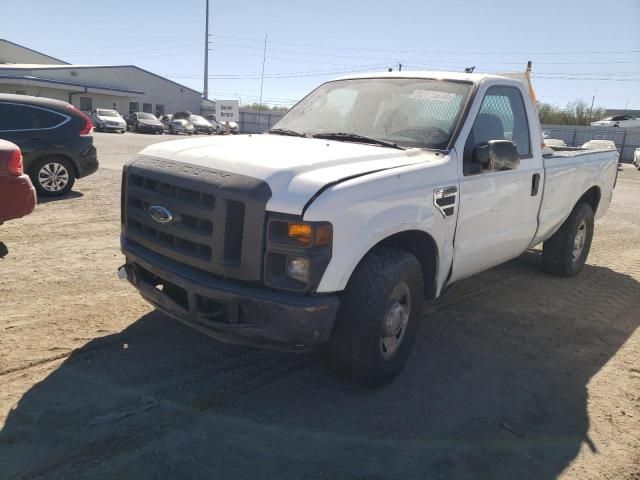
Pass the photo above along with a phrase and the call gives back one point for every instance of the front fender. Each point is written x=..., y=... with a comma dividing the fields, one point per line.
x=366, y=210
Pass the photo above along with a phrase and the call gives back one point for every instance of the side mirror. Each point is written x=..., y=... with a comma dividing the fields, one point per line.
x=497, y=155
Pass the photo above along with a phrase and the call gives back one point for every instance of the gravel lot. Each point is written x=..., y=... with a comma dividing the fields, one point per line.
x=515, y=374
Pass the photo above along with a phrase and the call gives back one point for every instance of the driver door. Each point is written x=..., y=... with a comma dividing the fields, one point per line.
x=498, y=212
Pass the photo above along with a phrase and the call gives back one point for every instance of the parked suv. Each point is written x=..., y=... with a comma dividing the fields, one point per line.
x=55, y=139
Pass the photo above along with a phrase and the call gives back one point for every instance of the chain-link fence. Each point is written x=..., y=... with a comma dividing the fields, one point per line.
x=626, y=139
x=257, y=122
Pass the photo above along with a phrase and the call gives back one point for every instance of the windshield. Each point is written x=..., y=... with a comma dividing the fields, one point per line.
x=146, y=116
x=197, y=119
x=410, y=112
x=107, y=113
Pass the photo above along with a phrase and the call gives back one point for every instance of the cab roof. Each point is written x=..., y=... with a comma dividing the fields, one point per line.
x=438, y=75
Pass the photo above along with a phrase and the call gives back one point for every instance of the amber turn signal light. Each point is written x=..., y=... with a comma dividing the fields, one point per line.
x=301, y=233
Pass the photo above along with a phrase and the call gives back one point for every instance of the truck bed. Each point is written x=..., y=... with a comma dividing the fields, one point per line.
x=567, y=171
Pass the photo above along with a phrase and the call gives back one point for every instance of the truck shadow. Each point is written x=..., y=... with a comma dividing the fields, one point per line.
x=496, y=388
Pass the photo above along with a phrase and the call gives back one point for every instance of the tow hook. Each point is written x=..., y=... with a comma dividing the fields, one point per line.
x=125, y=272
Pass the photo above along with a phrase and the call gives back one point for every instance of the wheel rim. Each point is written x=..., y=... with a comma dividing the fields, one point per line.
x=395, y=320
x=53, y=177
x=578, y=242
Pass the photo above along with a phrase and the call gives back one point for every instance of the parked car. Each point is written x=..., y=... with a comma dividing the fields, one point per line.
x=554, y=142
x=234, y=128
x=55, y=139
x=105, y=120
x=165, y=120
x=202, y=125
x=626, y=121
x=599, y=145
x=636, y=158
x=332, y=229
x=180, y=124
x=142, y=122
x=17, y=195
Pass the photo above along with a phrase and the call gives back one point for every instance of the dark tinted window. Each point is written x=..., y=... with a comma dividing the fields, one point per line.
x=134, y=107
x=86, y=104
x=147, y=107
x=24, y=117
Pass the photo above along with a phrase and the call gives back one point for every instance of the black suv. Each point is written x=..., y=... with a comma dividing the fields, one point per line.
x=55, y=139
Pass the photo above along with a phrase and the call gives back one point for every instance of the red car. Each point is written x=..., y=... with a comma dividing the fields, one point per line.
x=17, y=195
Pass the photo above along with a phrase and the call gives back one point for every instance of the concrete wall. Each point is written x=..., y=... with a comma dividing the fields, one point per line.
x=157, y=90
x=626, y=139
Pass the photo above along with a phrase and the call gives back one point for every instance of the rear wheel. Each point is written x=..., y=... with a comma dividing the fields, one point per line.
x=566, y=252
x=53, y=176
x=378, y=319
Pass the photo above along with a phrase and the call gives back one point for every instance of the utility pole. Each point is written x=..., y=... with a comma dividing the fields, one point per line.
x=264, y=57
x=205, y=90
x=593, y=99
x=399, y=67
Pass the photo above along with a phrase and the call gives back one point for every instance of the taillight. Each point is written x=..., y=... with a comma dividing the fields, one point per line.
x=87, y=126
x=14, y=163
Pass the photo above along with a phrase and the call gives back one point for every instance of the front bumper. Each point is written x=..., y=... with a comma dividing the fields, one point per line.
x=230, y=312
x=150, y=128
x=17, y=197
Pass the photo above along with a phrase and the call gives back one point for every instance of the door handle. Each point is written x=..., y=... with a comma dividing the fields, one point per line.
x=535, y=184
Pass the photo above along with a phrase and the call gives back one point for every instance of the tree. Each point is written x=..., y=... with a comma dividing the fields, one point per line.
x=577, y=112
x=254, y=107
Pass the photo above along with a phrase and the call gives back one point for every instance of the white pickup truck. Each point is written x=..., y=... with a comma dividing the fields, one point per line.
x=371, y=195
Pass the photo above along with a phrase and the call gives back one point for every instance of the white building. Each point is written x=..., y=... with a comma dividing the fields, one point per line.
x=125, y=88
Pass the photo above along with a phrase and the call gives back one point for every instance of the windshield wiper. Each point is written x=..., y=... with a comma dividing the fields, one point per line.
x=286, y=131
x=354, y=137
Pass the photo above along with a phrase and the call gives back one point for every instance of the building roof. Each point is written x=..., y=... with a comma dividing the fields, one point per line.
x=2, y=40
x=30, y=66
x=64, y=65
x=31, y=78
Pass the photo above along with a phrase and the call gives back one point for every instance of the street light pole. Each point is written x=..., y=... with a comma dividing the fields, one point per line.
x=205, y=90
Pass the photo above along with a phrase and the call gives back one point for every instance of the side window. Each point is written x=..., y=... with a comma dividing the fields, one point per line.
x=502, y=116
x=23, y=117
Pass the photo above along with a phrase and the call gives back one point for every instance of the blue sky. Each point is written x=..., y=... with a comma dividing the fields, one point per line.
x=579, y=48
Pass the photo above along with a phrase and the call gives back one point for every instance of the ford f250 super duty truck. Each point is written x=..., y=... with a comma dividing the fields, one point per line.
x=372, y=194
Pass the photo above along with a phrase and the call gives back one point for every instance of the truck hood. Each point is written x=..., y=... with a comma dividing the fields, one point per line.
x=294, y=168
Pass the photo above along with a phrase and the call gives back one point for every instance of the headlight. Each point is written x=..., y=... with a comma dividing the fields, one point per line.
x=297, y=268
x=297, y=252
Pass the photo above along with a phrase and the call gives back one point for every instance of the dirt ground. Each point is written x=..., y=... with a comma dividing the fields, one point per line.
x=515, y=374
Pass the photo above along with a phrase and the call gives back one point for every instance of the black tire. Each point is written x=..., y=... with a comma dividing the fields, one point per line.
x=41, y=170
x=356, y=348
x=564, y=254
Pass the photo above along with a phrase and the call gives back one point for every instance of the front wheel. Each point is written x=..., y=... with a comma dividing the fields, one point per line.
x=378, y=319
x=53, y=176
x=566, y=251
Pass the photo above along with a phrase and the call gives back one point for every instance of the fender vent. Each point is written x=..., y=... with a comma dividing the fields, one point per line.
x=445, y=200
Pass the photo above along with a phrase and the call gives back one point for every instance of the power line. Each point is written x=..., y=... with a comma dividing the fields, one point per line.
x=342, y=47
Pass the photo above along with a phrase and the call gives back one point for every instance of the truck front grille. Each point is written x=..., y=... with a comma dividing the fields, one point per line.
x=209, y=219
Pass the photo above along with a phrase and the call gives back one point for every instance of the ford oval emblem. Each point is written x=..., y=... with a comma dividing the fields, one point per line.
x=160, y=214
